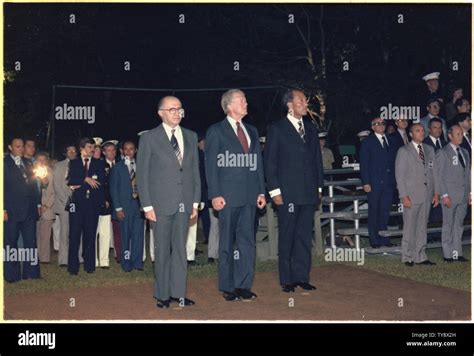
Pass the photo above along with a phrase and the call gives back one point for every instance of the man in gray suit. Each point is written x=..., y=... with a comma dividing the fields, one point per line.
x=417, y=186
x=454, y=171
x=62, y=192
x=169, y=187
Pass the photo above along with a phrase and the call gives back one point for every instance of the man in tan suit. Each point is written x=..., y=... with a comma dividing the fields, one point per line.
x=45, y=222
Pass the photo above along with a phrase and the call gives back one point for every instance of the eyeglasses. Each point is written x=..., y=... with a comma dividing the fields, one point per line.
x=173, y=111
x=382, y=123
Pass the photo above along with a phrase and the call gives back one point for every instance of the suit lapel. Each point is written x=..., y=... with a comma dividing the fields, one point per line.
x=163, y=138
x=230, y=133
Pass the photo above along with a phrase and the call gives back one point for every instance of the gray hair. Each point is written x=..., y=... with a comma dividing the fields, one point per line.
x=227, y=98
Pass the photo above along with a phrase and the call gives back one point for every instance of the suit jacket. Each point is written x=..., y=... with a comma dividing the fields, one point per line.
x=62, y=192
x=107, y=210
x=415, y=179
x=294, y=166
x=425, y=121
x=238, y=185
x=21, y=197
x=398, y=139
x=466, y=146
x=96, y=199
x=377, y=165
x=47, y=198
x=454, y=179
x=162, y=182
x=202, y=172
x=428, y=142
x=121, y=189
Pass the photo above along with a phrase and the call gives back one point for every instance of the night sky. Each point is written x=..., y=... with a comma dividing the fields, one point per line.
x=386, y=61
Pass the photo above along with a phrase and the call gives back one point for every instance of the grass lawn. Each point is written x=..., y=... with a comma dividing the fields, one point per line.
x=456, y=275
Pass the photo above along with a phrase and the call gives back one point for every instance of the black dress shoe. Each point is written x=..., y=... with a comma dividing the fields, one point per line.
x=448, y=260
x=183, y=301
x=409, y=263
x=73, y=273
x=191, y=263
x=210, y=260
x=62, y=265
x=305, y=285
x=105, y=267
x=287, y=288
x=245, y=293
x=140, y=269
x=231, y=296
x=374, y=246
x=462, y=259
x=198, y=252
x=163, y=304
x=427, y=263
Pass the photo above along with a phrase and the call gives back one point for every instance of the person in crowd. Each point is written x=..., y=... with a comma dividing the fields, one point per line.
x=417, y=184
x=235, y=192
x=433, y=108
x=294, y=171
x=169, y=188
x=454, y=171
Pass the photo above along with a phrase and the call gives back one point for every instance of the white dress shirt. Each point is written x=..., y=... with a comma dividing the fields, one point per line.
x=434, y=140
x=404, y=135
x=379, y=137
x=233, y=123
x=178, y=134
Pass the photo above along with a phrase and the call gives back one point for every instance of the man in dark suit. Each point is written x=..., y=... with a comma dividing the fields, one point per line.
x=400, y=137
x=464, y=121
x=170, y=192
x=435, y=138
x=86, y=179
x=377, y=171
x=294, y=172
x=21, y=210
x=126, y=209
x=236, y=186
x=204, y=213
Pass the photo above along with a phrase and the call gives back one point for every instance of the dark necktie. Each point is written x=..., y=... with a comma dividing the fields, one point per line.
x=421, y=153
x=174, y=143
x=133, y=180
x=242, y=138
x=438, y=145
x=301, y=131
x=86, y=166
x=461, y=160
x=384, y=143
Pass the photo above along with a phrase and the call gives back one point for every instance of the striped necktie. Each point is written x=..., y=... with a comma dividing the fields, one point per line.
x=421, y=153
x=301, y=130
x=174, y=143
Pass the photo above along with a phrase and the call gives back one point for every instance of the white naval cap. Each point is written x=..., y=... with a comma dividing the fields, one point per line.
x=363, y=133
x=430, y=76
x=322, y=134
x=142, y=132
x=113, y=142
x=98, y=140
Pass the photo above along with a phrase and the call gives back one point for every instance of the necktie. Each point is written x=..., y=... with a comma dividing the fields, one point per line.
x=86, y=166
x=438, y=145
x=405, y=138
x=242, y=138
x=301, y=131
x=133, y=180
x=461, y=160
x=468, y=138
x=384, y=143
x=174, y=143
x=421, y=153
